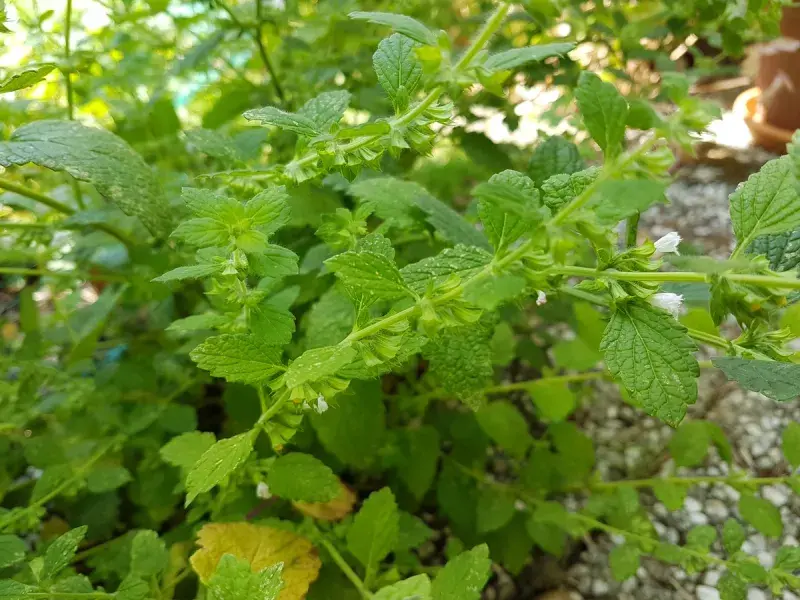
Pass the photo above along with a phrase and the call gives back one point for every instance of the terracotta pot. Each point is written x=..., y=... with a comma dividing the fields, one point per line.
x=764, y=134
x=779, y=80
x=790, y=22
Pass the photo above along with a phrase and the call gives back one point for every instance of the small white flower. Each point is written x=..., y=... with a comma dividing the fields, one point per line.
x=322, y=406
x=520, y=505
x=668, y=301
x=541, y=298
x=262, y=491
x=668, y=243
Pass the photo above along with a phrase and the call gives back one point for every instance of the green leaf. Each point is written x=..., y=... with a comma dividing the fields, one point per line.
x=97, y=157
x=553, y=399
x=464, y=576
x=490, y=292
x=761, y=514
x=400, y=23
x=788, y=559
x=215, y=144
x=186, y=449
x=271, y=324
x=776, y=380
x=791, y=443
x=669, y=494
x=149, y=556
x=604, y=112
x=268, y=210
x=520, y=56
x=12, y=550
x=495, y=509
x=398, y=69
x=301, y=477
x=624, y=561
x=233, y=579
x=506, y=426
x=25, y=78
x=370, y=274
x=461, y=261
x=559, y=190
x=461, y=362
x=132, y=588
x=216, y=463
x=418, y=458
x=374, y=531
x=511, y=546
x=690, y=443
x=575, y=452
x=399, y=203
x=318, y=363
x=238, y=357
x=107, y=478
x=14, y=590
x=618, y=200
x=733, y=536
x=190, y=272
x=701, y=538
x=413, y=533
x=355, y=430
x=272, y=115
x=273, y=261
x=509, y=206
x=782, y=249
x=326, y=109
x=555, y=156
x=198, y=323
x=414, y=588
x=61, y=552
x=766, y=203
x=202, y=233
x=651, y=354
x=731, y=587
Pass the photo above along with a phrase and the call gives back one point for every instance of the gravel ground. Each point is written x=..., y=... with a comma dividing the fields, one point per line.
x=631, y=445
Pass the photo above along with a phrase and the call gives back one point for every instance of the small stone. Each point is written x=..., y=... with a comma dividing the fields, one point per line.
x=705, y=592
x=698, y=518
x=767, y=559
x=600, y=587
x=756, y=594
x=692, y=505
x=775, y=494
x=711, y=578
x=716, y=510
x=629, y=585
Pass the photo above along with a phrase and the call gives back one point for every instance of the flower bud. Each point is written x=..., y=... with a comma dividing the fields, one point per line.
x=668, y=243
x=262, y=491
x=541, y=298
x=668, y=301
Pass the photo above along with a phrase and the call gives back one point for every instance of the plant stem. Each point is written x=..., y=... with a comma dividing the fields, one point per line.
x=688, y=481
x=681, y=276
x=632, y=230
x=345, y=568
x=69, y=274
x=265, y=57
x=13, y=517
x=486, y=33
x=63, y=208
x=489, y=28
x=67, y=52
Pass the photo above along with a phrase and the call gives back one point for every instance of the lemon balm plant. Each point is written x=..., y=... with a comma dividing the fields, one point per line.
x=252, y=377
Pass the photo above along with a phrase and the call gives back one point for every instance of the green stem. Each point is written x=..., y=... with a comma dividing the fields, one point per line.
x=679, y=276
x=78, y=475
x=68, y=274
x=63, y=208
x=262, y=51
x=733, y=480
x=632, y=230
x=345, y=568
x=492, y=24
x=483, y=37
x=67, y=52
x=68, y=595
x=709, y=338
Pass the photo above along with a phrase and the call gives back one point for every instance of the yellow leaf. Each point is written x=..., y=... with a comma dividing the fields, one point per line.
x=261, y=547
x=336, y=509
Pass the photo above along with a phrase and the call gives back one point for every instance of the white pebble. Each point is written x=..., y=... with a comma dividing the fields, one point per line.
x=692, y=505
x=756, y=594
x=705, y=592
x=767, y=559
x=600, y=587
x=698, y=518
x=711, y=578
x=716, y=510
x=775, y=494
